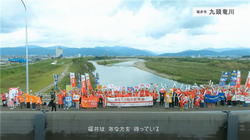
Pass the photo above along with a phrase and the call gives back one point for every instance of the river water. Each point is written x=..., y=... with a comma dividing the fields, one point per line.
x=125, y=74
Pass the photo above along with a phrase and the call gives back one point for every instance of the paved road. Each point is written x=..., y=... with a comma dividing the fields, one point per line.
x=59, y=79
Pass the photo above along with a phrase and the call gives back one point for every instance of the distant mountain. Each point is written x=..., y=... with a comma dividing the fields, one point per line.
x=223, y=49
x=239, y=52
x=97, y=51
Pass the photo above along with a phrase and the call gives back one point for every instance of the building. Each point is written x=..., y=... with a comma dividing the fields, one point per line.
x=59, y=52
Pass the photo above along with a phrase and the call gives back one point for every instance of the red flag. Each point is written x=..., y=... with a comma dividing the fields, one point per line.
x=83, y=84
x=248, y=81
x=88, y=81
x=72, y=80
x=238, y=79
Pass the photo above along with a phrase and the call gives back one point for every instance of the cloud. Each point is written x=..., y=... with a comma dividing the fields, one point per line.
x=158, y=26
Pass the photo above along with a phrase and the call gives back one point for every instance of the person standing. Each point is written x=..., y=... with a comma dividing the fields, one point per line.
x=191, y=99
x=77, y=98
x=4, y=99
x=155, y=96
x=38, y=102
x=162, y=96
x=27, y=100
x=53, y=103
x=52, y=93
x=34, y=98
x=21, y=100
x=60, y=100
x=100, y=97
x=229, y=98
x=186, y=101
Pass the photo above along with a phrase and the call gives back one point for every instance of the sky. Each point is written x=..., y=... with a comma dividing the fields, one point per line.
x=159, y=26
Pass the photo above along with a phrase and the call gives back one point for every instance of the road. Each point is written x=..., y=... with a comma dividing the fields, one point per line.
x=59, y=79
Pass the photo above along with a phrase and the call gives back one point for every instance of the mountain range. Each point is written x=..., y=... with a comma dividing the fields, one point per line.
x=120, y=51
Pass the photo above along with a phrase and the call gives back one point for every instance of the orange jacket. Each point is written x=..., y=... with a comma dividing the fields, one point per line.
x=34, y=98
x=38, y=99
x=20, y=98
x=27, y=98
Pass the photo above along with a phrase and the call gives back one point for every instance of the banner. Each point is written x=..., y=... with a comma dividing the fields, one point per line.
x=68, y=99
x=130, y=88
x=123, y=87
x=156, y=85
x=233, y=78
x=147, y=86
x=221, y=96
x=168, y=98
x=211, y=98
x=89, y=103
x=72, y=79
x=247, y=99
x=83, y=84
x=129, y=101
x=88, y=81
x=141, y=85
x=238, y=79
x=105, y=87
x=136, y=87
x=68, y=88
x=223, y=78
x=12, y=93
x=79, y=81
x=110, y=86
x=237, y=97
x=76, y=97
x=99, y=86
x=247, y=85
x=55, y=80
x=242, y=98
x=117, y=88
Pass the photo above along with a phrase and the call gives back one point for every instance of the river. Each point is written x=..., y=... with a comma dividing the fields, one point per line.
x=125, y=74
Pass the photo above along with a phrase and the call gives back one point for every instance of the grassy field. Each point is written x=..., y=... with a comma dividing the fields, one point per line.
x=40, y=75
x=80, y=65
x=107, y=62
x=197, y=70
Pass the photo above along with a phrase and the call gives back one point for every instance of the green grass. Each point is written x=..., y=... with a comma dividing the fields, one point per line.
x=107, y=62
x=80, y=65
x=40, y=75
x=197, y=70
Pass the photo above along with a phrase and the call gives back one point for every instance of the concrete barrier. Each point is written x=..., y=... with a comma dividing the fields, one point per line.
x=124, y=125
x=17, y=125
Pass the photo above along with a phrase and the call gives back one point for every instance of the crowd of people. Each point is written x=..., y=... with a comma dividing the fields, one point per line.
x=171, y=98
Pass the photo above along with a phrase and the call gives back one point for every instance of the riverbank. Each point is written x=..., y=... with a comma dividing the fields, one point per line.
x=109, y=62
x=141, y=65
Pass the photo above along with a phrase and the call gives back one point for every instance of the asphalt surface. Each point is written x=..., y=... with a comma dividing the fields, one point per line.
x=155, y=108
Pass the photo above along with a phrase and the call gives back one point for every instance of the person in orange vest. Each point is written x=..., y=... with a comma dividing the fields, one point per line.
x=162, y=95
x=197, y=102
x=21, y=100
x=38, y=102
x=155, y=96
x=27, y=100
x=146, y=92
x=110, y=93
x=33, y=101
x=60, y=100
x=136, y=93
x=181, y=104
x=246, y=95
x=191, y=98
x=141, y=92
x=202, y=101
x=229, y=98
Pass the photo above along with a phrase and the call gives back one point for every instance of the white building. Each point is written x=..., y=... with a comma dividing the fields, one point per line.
x=59, y=52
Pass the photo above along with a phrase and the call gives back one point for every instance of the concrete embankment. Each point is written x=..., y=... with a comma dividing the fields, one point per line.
x=124, y=125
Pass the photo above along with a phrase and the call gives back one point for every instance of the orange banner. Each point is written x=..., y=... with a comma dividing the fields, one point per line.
x=83, y=84
x=72, y=80
x=88, y=81
x=238, y=79
x=248, y=81
x=89, y=102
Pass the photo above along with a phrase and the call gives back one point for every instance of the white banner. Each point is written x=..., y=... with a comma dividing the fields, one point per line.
x=242, y=98
x=117, y=88
x=105, y=87
x=247, y=99
x=129, y=101
x=110, y=86
x=141, y=85
x=147, y=86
